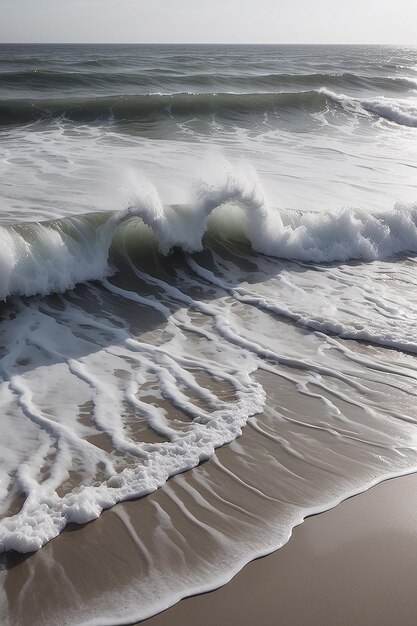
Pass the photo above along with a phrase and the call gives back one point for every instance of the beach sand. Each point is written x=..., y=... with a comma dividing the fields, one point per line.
x=355, y=564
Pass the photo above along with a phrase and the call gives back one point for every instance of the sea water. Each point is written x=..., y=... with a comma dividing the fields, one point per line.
x=176, y=221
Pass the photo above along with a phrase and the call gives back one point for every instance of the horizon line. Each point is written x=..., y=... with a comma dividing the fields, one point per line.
x=196, y=43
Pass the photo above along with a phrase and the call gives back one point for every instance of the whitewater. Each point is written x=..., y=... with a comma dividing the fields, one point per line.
x=207, y=272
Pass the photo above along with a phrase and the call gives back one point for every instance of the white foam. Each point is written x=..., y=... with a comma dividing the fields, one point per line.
x=402, y=111
x=48, y=260
x=54, y=343
x=350, y=302
x=52, y=258
x=235, y=202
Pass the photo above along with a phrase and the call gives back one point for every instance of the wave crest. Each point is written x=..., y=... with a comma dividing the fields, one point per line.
x=47, y=257
x=400, y=111
x=157, y=106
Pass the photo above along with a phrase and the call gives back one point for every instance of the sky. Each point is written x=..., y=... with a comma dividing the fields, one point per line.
x=209, y=21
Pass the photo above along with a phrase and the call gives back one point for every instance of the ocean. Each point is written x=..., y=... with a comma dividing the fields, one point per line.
x=207, y=271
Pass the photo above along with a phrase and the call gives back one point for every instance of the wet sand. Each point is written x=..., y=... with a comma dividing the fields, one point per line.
x=353, y=565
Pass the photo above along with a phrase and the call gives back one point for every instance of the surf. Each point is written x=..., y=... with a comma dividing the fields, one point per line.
x=53, y=256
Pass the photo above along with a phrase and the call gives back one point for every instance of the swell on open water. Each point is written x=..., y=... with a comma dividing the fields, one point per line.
x=197, y=241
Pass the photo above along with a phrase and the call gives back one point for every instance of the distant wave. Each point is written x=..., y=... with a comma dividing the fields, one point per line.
x=42, y=258
x=158, y=106
x=96, y=81
x=402, y=112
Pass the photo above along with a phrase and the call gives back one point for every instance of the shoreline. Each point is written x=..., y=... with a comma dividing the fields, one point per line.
x=353, y=564
x=203, y=526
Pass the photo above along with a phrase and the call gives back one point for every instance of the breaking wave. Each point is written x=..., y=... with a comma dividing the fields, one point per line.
x=225, y=105
x=53, y=256
x=400, y=111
